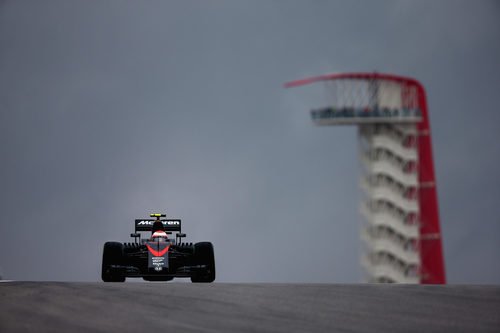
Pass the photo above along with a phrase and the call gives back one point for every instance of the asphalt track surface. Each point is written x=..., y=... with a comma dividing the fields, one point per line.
x=221, y=307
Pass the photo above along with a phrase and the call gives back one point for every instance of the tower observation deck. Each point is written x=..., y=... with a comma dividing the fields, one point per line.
x=400, y=232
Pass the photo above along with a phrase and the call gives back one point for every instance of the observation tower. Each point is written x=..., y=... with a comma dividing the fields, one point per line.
x=400, y=230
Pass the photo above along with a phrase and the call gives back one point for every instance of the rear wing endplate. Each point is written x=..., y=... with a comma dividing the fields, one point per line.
x=147, y=224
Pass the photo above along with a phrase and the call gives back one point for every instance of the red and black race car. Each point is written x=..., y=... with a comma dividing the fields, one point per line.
x=158, y=258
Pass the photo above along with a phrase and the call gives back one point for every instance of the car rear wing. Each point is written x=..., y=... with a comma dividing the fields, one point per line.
x=147, y=224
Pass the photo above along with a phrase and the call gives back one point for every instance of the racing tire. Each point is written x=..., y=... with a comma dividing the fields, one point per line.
x=204, y=255
x=112, y=255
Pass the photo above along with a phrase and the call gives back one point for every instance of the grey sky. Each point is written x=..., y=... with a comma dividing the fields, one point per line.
x=110, y=110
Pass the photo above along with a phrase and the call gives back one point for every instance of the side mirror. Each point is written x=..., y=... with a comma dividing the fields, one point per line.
x=136, y=235
x=180, y=235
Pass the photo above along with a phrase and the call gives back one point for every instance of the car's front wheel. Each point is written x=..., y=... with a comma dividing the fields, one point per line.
x=204, y=255
x=112, y=255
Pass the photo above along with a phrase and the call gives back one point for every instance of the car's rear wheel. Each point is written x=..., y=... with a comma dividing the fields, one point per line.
x=204, y=255
x=112, y=255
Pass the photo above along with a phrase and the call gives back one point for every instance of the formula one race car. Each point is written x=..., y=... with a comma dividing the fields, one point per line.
x=158, y=258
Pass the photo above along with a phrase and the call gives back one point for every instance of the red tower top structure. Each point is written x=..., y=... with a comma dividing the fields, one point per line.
x=357, y=110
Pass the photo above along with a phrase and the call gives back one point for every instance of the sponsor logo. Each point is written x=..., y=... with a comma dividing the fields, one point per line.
x=164, y=222
x=171, y=222
x=158, y=263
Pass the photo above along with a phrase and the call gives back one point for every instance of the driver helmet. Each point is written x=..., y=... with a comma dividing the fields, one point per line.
x=160, y=233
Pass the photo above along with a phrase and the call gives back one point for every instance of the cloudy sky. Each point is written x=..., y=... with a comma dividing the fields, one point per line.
x=112, y=109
